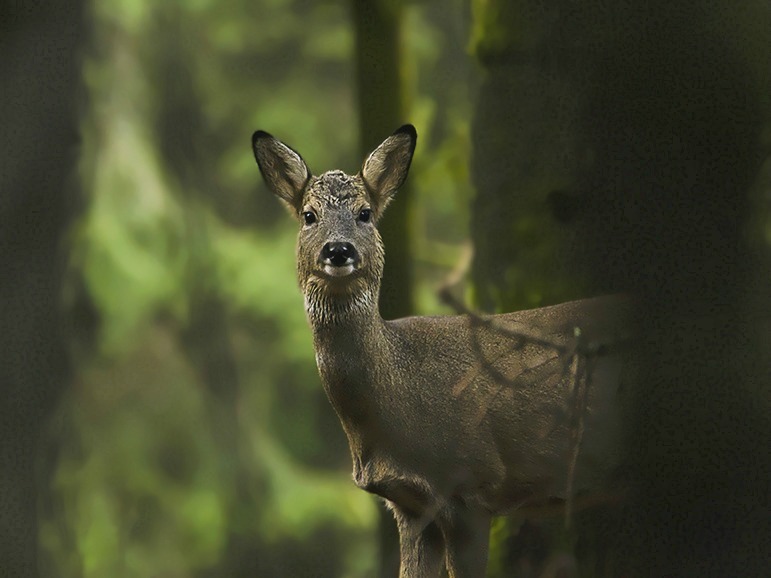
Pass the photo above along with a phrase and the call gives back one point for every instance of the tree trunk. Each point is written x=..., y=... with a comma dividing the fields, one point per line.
x=677, y=147
x=639, y=127
x=524, y=148
x=382, y=109
x=40, y=72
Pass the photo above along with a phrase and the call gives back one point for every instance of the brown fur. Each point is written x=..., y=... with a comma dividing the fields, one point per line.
x=450, y=419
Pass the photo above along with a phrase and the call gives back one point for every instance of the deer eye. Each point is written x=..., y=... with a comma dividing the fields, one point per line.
x=309, y=217
x=364, y=215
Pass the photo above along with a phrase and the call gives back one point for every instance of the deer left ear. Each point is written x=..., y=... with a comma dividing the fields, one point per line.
x=283, y=169
x=387, y=166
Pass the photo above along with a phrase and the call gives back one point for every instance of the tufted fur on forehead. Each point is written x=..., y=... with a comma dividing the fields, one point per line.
x=336, y=187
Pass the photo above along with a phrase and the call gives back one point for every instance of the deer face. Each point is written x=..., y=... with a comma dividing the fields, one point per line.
x=339, y=250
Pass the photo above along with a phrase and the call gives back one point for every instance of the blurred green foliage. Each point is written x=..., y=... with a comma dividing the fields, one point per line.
x=196, y=439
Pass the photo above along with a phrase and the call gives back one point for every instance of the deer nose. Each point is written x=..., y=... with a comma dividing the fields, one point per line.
x=338, y=254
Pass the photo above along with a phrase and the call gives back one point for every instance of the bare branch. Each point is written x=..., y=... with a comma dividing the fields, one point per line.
x=532, y=336
x=579, y=356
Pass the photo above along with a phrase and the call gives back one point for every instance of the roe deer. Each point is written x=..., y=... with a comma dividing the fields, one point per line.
x=450, y=419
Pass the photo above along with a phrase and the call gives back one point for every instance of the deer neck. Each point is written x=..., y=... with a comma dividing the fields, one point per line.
x=348, y=331
x=349, y=338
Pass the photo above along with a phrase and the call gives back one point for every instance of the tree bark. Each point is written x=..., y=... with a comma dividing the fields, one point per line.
x=655, y=152
x=39, y=67
x=382, y=109
x=524, y=148
x=674, y=122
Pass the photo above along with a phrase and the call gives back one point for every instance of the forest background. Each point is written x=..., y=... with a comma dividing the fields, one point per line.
x=161, y=411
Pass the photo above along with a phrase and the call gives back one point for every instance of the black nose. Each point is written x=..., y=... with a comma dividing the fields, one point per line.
x=338, y=254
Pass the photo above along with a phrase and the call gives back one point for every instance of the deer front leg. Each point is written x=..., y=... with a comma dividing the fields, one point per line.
x=421, y=546
x=466, y=536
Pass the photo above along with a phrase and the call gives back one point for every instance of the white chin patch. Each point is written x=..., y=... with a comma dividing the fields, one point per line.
x=341, y=271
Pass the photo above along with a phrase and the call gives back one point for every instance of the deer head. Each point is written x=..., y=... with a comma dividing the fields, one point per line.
x=340, y=254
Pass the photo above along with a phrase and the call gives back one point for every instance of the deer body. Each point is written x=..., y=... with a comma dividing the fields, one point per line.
x=451, y=419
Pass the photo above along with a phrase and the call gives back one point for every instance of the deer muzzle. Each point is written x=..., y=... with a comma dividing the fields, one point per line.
x=339, y=259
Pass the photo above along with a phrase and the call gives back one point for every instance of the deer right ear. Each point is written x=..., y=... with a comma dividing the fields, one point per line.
x=284, y=171
x=387, y=166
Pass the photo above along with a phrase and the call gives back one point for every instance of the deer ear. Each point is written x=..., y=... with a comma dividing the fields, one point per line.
x=284, y=171
x=386, y=167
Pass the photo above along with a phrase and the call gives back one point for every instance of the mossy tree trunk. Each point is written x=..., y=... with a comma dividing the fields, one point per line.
x=623, y=140
x=525, y=147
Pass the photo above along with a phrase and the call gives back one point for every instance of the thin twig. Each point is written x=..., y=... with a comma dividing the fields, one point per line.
x=579, y=355
x=579, y=407
x=491, y=322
